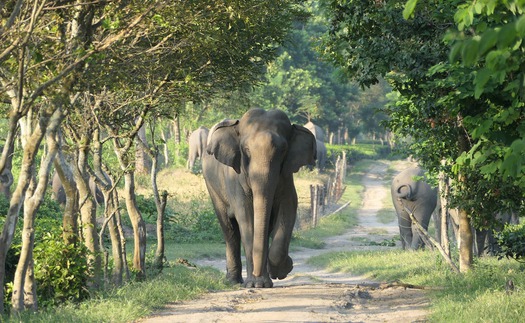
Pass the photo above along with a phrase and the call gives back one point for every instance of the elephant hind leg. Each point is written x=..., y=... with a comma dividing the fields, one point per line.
x=233, y=253
x=405, y=230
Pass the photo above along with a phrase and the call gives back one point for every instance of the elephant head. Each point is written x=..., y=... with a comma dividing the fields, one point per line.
x=262, y=137
x=265, y=149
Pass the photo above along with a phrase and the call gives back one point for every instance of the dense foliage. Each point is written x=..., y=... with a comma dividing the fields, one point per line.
x=469, y=114
x=61, y=270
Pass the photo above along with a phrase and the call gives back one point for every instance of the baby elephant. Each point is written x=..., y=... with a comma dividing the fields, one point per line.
x=410, y=192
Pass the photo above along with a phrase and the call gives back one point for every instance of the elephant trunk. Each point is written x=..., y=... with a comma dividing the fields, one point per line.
x=263, y=196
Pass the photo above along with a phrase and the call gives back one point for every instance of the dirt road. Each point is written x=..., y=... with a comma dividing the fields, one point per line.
x=312, y=295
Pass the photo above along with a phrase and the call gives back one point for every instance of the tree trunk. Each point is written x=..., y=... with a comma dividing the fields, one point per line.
x=70, y=215
x=33, y=199
x=465, y=242
x=25, y=176
x=165, y=136
x=465, y=230
x=87, y=208
x=444, y=189
x=124, y=256
x=111, y=210
x=142, y=160
x=160, y=203
x=139, y=227
x=176, y=130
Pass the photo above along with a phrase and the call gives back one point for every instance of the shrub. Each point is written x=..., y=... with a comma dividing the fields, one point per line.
x=512, y=242
x=62, y=270
x=197, y=225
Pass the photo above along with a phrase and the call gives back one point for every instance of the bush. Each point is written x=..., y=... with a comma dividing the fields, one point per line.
x=512, y=242
x=62, y=270
x=198, y=225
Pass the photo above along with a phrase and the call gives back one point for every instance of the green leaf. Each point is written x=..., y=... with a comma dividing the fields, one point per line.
x=509, y=167
x=482, y=77
x=469, y=53
x=520, y=26
x=408, y=12
x=507, y=35
x=455, y=52
x=487, y=41
x=482, y=128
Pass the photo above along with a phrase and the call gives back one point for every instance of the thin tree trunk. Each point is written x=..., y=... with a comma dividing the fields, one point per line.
x=176, y=130
x=165, y=136
x=139, y=227
x=87, y=209
x=28, y=159
x=444, y=189
x=124, y=256
x=116, y=252
x=33, y=199
x=111, y=209
x=70, y=215
x=465, y=230
x=142, y=160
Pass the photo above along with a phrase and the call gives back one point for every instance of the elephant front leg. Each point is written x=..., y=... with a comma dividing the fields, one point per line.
x=280, y=264
x=252, y=281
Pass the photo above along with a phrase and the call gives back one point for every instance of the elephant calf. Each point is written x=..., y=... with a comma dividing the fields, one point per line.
x=418, y=197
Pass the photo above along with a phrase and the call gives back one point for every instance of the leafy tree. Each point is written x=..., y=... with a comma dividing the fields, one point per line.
x=438, y=103
x=302, y=84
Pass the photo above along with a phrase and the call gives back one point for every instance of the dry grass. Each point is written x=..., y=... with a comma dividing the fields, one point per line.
x=186, y=189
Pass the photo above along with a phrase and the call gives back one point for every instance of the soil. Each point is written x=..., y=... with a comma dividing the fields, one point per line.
x=311, y=294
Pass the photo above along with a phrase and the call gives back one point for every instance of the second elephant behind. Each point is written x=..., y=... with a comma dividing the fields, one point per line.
x=411, y=193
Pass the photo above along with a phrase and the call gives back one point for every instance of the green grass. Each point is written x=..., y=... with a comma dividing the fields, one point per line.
x=192, y=251
x=135, y=300
x=338, y=223
x=478, y=296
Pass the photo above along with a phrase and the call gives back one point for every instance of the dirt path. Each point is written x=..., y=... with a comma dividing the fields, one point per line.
x=312, y=295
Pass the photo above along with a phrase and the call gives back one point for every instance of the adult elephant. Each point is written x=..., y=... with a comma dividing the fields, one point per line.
x=321, y=155
x=249, y=174
x=59, y=194
x=197, y=146
x=411, y=193
x=316, y=130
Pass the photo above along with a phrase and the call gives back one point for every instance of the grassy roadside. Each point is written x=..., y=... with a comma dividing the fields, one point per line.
x=479, y=296
x=135, y=300
x=338, y=223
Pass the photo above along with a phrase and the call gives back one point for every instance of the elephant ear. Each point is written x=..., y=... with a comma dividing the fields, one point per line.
x=223, y=143
x=301, y=150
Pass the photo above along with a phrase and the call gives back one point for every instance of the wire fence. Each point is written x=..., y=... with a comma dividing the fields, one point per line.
x=325, y=197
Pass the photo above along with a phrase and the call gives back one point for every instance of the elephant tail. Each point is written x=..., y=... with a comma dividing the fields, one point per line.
x=404, y=192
